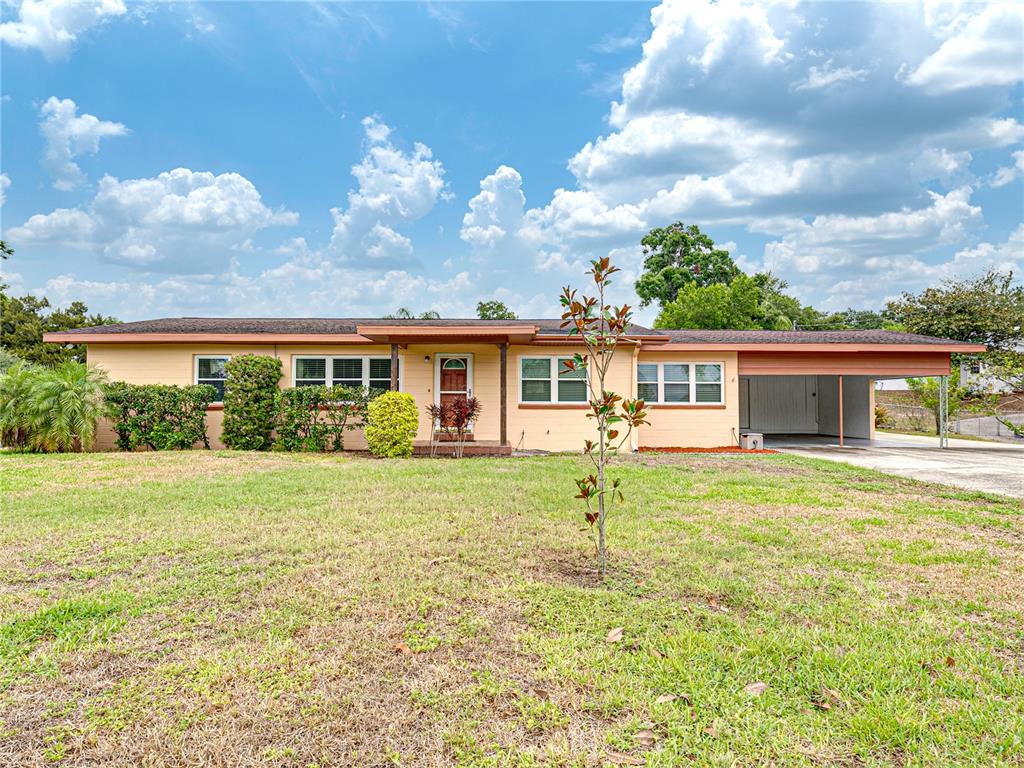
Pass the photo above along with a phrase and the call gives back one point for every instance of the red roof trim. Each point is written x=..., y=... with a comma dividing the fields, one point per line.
x=216, y=338
x=836, y=346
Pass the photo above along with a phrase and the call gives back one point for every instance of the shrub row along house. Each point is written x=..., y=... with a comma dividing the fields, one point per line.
x=703, y=388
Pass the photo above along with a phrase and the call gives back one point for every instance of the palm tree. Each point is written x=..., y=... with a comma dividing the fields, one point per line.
x=16, y=386
x=65, y=403
x=404, y=313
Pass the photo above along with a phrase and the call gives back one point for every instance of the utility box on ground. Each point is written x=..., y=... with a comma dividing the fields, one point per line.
x=752, y=441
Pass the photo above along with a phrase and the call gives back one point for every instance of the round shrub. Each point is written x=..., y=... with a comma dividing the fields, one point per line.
x=250, y=397
x=391, y=424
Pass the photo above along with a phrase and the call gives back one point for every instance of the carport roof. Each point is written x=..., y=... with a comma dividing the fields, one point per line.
x=807, y=337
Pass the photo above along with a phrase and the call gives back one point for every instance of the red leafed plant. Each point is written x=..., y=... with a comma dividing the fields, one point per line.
x=600, y=326
x=454, y=419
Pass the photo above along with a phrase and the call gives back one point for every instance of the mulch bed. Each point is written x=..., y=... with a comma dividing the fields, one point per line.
x=719, y=449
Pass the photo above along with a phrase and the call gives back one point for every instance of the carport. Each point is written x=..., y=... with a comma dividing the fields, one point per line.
x=815, y=385
x=824, y=389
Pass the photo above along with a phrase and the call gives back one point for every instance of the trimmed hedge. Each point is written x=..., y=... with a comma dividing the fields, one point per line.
x=160, y=416
x=392, y=422
x=315, y=418
x=250, y=399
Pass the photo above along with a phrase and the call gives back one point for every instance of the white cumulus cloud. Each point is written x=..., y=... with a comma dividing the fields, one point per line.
x=69, y=135
x=54, y=26
x=987, y=50
x=1009, y=173
x=395, y=187
x=183, y=220
x=5, y=182
x=495, y=214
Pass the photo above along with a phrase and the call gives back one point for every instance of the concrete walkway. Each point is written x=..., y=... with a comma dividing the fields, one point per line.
x=970, y=464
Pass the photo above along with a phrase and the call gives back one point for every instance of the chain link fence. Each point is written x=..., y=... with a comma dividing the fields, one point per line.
x=905, y=417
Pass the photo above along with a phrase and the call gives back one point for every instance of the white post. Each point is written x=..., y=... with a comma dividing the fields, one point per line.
x=943, y=411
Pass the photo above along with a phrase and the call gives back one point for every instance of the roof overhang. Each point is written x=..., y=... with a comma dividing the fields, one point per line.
x=416, y=334
x=874, y=364
x=63, y=337
x=676, y=346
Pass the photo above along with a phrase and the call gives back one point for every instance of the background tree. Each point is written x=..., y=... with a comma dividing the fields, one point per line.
x=494, y=310
x=734, y=305
x=600, y=326
x=984, y=310
x=7, y=359
x=404, y=313
x=697, y=285
x=678, y=255
x=1006, y=366
x=5, y=250
x=24, y=321
x=927, y=390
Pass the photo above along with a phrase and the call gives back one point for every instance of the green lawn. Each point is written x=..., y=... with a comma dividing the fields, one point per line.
x=223, y=609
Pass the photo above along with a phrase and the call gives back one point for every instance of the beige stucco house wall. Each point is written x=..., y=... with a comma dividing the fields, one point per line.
x=531, y=426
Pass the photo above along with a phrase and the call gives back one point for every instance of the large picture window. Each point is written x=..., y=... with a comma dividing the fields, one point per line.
x=210, y=370
x=344, y=371
x=680, y=383
x=547, y=380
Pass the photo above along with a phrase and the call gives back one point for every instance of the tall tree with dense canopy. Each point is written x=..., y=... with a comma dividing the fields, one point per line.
x=679, y=255
x=735, y=306
x=24, y=321
x=984, y=310
x=494, y=310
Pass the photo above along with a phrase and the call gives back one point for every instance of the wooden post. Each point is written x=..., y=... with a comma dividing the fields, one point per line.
x=504, y=392
x=840, y=411
x=394, y=367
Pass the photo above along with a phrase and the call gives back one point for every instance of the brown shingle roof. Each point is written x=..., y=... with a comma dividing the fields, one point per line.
x=313, y=325
x=349, y=325
x=803, y=337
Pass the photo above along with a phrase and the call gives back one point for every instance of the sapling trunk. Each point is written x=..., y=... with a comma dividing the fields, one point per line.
x=600, y=327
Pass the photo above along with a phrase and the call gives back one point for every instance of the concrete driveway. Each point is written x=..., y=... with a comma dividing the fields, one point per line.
x=970, y=464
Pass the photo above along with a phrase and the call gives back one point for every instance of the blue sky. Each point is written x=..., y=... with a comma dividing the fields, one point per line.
x=346, y=159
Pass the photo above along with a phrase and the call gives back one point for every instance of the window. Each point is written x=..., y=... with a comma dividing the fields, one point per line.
x=975, y=367
x=210, y=370
x=680, y=383
x=310, y=371
x=345, y=371
x=548, y=380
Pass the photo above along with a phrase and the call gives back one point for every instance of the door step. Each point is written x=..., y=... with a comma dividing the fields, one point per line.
x=442, y=437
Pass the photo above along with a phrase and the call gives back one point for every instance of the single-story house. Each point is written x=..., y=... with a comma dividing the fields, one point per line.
x=704, y=388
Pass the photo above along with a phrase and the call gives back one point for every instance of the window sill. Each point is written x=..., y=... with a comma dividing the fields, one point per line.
x=688, y=406
x=555, y=406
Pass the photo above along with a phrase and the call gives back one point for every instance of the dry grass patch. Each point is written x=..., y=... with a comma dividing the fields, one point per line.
x=215, y=609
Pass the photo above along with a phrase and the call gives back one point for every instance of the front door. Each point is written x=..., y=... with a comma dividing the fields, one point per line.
x=454, y=378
